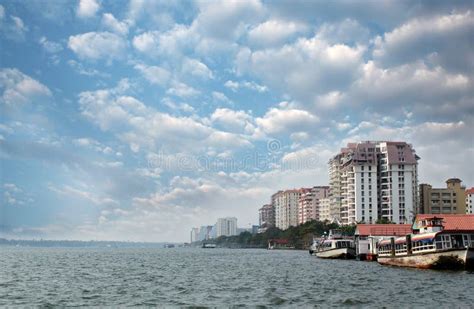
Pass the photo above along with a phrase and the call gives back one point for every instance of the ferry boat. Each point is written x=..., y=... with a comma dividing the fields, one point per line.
x=433, y=247
x=209, y=246
x=334, y=247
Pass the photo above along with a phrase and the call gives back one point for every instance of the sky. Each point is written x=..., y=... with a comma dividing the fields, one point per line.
x=137, y=120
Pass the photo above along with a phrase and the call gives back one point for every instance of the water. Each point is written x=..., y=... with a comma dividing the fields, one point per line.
x=212, y=277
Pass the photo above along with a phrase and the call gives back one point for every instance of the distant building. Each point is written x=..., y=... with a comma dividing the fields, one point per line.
x=449, y=200
x=286, y=208
x=309, y=203
x=470, y=201
x=374, y=180
x=226, y=226
x=194, y=234
x=266, y=216
x=205, y=232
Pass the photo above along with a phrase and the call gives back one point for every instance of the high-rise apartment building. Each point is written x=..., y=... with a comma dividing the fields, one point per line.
x=266, y=216
x=374, y=180
x=324, y=214
x=449, y=200
x=194, y=234
x=470, y=201
x=226, y=226
x=286, y=208
x=309, y=203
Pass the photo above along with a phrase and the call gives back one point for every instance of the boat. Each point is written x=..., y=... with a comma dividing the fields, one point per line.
x=335, y=247
x=432, y=248
x=209, y=246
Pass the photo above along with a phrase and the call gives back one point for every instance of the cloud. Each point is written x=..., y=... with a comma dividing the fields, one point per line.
x=49, y=46
x=220, y=97
x=304, y=69
x=285, y=121
x=154, y=74
x=424, y=90
x=348, y=31
x=12, y=27
x=182, y=90
x=87, y=8
x=97, y=45
x=230, y=16
x=18, y=88
x=111, y=23
x=79, y=68
x=274, y=32
x=234, y=86
x=196, y=68
x=71, y=192
x=143, y=127
x=233, y=121
x=170, y=43
x=433, y=38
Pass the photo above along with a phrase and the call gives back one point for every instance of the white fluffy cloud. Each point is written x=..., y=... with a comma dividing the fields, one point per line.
x=114, y=25
x=87, y=8
x=154, y=74
x=97, y=45
x=431, y=37
x=233, y=121
x=304, y=69
x=274, y=32
x=18, y=88
x=277, y=121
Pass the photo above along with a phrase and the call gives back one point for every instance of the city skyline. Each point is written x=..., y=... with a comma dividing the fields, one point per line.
x=136, y=120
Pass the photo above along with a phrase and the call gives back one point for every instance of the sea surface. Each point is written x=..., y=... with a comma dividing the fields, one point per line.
x=218, y=277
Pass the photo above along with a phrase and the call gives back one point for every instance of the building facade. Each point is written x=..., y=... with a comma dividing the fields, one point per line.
x=285, y=204
x=266, y=216
x=309, y=203
x=194, y=234
x=324, y=212
x=449, y=200
x=374, y=180
x=470, y=201
x=226, y=226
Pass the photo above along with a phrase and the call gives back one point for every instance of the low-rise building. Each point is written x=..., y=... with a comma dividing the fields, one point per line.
x=449, y=200
x=470, y=201
x=367, y=235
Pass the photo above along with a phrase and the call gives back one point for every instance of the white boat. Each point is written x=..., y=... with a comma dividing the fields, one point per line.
x=335, y=247
x=431, y=248
x=209, y=246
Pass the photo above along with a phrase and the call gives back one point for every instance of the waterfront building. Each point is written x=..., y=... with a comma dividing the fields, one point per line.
x=374, y=180
x=324, y=214
x=449, y=200
x=226, y=226
x=194, y=234
x=266, y=217
x=470, y=201
x=367, y=236
x=286, y=207
x=309, y=203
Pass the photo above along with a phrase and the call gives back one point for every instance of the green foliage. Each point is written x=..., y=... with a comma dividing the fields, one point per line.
x=299, y=237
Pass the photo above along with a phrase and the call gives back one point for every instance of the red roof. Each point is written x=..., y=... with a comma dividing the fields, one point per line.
x=383, y=229
x=452, y=222
x=470, y=191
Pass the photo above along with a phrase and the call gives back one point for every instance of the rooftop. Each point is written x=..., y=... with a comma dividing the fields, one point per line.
x=451, y=222
x=383, y=229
